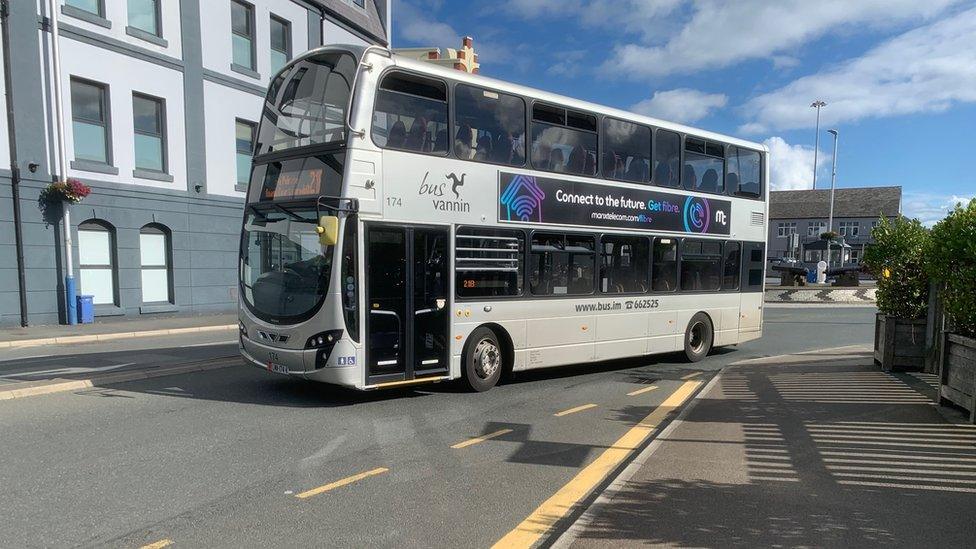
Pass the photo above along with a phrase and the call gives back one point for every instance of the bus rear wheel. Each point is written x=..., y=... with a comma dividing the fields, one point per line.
x=699, y=337
x=483, y=360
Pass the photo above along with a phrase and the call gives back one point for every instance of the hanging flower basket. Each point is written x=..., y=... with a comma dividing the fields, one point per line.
x=72, y=191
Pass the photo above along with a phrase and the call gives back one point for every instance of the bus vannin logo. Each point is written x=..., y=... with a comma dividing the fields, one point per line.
x=523, y=199
x=436, y=193
x=697, y=214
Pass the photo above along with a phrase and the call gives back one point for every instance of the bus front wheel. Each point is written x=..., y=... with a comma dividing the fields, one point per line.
x=699, y=337
x=483, y=360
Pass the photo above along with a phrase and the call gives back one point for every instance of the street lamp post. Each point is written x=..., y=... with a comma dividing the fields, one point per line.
x=833, y=179
x=816, y=147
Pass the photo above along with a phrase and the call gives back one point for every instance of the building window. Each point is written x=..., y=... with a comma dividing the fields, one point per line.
x=91, y=6
x=245, y=132
x=90, y=124
x=96, y=261
x=154, y=261
x=280, y=43
x=816, y=228
x=855, y=257
x=242, y=30
x=144, y=15
x=850, y=228
x=149, y=121
x=785, y=229
x=626, y=151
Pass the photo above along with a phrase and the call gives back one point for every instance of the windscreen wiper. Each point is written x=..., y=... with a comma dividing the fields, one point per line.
x=254, y=209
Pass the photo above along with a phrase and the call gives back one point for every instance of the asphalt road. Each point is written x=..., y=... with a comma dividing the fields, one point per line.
x=218, y=458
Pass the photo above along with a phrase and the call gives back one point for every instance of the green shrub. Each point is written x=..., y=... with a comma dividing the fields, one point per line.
x=897, y=260
x=952, y=262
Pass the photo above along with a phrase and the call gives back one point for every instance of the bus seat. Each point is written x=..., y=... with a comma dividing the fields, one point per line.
x=462, y=142
x=637, y=170
x=502, y=151
x=709, y=181
x=398, y=134
x=483, y=152
x=440, y=144
x=417, y=135
x=732, y=181
x=689, y=178
x=557, y=161
x=662, y=174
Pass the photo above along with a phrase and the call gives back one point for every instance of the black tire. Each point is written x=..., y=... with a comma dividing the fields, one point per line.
x=483, y=360
x=699, y=336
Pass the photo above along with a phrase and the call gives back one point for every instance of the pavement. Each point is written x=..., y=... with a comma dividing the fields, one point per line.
x=219, y=457
x=112, y=328
x=806, y=450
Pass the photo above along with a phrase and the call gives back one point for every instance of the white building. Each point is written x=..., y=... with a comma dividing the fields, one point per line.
x=161, y=100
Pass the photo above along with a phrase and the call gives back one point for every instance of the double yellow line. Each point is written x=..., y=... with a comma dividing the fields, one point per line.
x=531, y=530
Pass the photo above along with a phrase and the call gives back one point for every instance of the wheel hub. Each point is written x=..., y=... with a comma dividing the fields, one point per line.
x=697, y=338
x=487, y=358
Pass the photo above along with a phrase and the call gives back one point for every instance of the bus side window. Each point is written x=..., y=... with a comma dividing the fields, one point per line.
x=562, y=264
x=731, y=266
x=664, y=266
x=701, y=265
x=488, y=262
x=704, y=166
x=624, y=264
x=627, y=151
x=411, y=114
x=563, y=141
x=489, y=126
x=667, y=158
x=744, y=172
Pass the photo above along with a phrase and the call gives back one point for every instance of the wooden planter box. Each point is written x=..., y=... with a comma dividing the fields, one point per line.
x=899, y=344
x=957, y=373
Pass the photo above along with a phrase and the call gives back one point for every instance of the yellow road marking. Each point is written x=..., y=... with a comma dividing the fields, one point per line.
x=535, y=526
x=574, y=410
x=482, y=438
x=689, y=376
x=159, y=544
x=340, y=483
x=642, y=391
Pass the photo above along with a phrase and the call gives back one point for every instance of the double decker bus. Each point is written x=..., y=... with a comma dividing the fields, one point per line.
x=407, y=223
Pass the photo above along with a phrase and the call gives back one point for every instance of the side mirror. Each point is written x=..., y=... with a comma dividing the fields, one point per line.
x=328, y=230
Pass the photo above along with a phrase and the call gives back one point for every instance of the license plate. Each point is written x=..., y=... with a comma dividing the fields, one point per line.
x=277, y=368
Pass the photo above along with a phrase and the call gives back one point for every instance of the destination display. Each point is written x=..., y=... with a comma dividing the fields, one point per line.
x=525, y=198
x=297, y=179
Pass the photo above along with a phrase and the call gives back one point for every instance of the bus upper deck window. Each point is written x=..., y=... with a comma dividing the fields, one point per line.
x=704, y=166
x=744, y=172
x=489, y=126
x=411, y=114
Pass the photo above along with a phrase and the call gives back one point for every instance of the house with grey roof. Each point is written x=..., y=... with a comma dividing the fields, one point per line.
x=806, y=213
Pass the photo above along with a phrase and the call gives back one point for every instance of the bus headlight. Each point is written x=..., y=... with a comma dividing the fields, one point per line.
x=243, y=329
x=324, y=339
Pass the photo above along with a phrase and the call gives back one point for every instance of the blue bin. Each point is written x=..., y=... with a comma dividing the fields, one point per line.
x=86, y=309
x=812, y=276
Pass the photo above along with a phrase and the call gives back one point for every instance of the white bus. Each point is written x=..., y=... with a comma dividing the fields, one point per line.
x=407, y=223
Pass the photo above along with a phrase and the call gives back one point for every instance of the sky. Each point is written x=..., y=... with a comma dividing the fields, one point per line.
x=898, y=76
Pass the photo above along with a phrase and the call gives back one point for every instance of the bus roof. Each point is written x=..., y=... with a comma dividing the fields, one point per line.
x=420, y=66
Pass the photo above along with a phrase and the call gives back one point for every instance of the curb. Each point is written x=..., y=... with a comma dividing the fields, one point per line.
x=64, y=340
x=573, y=532
x=46, y=388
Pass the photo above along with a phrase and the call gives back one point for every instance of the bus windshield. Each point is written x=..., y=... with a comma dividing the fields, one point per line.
x=306, y=103
x=284, y=271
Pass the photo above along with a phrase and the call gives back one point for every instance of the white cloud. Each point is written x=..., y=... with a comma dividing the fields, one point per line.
x=681, y=105
x=721, y=33
x=647, y=18
x=413, y=24
x=569, y=64
x=927, y=69
x=930, y=208
x=791, y=166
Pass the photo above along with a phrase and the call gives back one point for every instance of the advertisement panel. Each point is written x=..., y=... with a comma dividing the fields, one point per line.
x=531, y=199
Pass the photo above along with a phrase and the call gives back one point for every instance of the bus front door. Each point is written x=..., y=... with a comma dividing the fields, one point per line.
x=407, y=297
